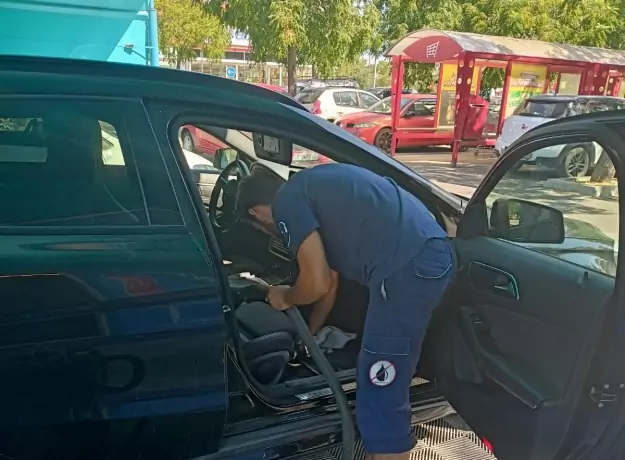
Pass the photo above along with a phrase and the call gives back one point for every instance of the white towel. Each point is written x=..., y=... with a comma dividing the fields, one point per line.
x=332, y=338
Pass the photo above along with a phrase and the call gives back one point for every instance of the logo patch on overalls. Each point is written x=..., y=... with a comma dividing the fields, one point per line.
x=382, y=373
x=284, y=231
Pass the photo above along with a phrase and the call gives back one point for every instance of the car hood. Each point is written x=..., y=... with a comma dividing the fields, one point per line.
x=364, y=117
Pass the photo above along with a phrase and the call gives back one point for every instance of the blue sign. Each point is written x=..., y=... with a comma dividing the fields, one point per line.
x=231, y=71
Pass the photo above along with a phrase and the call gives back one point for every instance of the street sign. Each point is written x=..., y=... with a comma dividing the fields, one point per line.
x=231, y=71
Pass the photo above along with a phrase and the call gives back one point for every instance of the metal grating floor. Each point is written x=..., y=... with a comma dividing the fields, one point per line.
x=444, y=439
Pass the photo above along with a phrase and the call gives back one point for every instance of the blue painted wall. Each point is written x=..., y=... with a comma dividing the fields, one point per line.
x=104, y=30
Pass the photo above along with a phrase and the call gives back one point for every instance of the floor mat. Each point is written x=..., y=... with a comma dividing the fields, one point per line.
x=445, y=439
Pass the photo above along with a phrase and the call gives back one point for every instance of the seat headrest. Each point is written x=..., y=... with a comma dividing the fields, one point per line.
x=75, y=143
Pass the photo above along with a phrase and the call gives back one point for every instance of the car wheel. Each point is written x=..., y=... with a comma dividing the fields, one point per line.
x=187, y=141
x=575, y=161
x=383, y=140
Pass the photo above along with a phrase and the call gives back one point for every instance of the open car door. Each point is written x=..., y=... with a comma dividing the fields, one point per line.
x=529, y=348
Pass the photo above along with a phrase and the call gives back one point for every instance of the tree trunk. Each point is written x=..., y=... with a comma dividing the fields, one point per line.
x=314, y=72
x=604, y=171
x=291, y=65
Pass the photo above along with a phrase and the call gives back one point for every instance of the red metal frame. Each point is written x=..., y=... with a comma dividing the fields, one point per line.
x=595, y=80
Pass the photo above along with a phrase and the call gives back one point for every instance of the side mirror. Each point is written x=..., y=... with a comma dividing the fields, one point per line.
x=523, y=221
x=223, y=157
x=409, y=114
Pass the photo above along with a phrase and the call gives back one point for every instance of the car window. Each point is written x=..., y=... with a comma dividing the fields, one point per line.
x=605, y=105
x=591, y=224
x=384, y=106
x=419, y=109
x=346, y=98
x=542, y=108
x=366, y=100
x=66, y=163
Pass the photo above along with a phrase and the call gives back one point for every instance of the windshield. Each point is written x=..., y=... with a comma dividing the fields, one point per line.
x=384, y=106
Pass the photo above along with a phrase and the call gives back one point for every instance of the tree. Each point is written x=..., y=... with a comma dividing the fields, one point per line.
x=184, y=27
x=362, y=71
x=581, y=22
x=318, y=32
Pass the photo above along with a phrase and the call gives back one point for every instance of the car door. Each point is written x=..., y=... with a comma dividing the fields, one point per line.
x=417, y=116
x=528, y=349
x=112, y=322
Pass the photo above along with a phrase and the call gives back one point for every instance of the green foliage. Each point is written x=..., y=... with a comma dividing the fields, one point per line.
x=581, y=22
x=323, y=33
x=184, y=27
x=362, y=72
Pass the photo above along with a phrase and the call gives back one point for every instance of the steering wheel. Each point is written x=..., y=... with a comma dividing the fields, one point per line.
x=223, y=217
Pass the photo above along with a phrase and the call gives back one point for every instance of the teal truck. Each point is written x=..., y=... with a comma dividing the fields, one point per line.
x=103, y=30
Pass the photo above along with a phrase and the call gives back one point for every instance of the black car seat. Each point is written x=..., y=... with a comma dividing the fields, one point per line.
x=259, y=318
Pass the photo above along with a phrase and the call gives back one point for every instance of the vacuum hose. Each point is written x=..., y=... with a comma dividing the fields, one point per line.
x=327, y=371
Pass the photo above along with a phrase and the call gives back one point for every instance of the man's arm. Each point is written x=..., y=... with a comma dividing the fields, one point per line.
x=322, y=308
x=315, y=278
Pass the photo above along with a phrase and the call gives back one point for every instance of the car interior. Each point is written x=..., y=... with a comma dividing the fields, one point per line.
x=515, y=328
x=273, y=353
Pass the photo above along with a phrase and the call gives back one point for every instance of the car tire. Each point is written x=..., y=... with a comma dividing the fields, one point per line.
x=574, y=161
x=186, y=141
x=383, y=140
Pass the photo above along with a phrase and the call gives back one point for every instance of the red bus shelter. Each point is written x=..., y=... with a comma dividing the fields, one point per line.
x=462, y=57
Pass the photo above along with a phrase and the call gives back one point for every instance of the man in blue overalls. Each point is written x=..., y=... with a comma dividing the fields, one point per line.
x=349, y=220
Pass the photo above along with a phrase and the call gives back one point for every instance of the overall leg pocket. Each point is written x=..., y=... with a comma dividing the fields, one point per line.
x=385, y=368
x=435, y=261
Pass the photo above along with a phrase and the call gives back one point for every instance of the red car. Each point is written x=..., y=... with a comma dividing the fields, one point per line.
x=374, y=125
x=197, y=141
x=417, y=115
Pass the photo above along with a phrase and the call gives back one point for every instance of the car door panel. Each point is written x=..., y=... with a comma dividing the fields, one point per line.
x=517, y=340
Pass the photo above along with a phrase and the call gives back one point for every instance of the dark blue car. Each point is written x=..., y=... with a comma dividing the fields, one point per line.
x=132, y=314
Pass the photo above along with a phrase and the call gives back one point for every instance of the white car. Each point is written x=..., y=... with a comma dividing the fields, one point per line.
x=574, y=160
x=331, y=103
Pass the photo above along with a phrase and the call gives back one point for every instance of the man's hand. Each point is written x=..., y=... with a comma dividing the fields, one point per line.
x=275, y=297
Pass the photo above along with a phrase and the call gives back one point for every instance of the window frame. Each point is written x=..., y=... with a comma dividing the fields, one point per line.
x=129, y=111
x=476, y=220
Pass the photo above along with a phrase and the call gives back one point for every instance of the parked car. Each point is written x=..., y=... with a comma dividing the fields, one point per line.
x=125, y=332
x=383, y=93
x=374, y=124
x=332, y=103
x=572, y=160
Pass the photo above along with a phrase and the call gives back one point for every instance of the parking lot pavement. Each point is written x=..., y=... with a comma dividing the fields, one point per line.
x=528, y=184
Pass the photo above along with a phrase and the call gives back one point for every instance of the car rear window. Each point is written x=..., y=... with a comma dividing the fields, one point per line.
x=308, y=96
x=542, y=109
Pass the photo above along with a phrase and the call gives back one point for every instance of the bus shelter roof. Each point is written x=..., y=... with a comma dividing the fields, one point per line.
x=429, y=45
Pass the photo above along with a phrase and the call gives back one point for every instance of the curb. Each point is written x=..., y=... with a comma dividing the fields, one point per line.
x=609, y=192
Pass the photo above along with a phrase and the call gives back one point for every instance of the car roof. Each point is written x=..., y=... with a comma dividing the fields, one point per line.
x=566, y=98
x=115, y=79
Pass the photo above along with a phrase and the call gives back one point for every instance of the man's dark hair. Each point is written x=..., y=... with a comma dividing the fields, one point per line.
x=259, y=188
